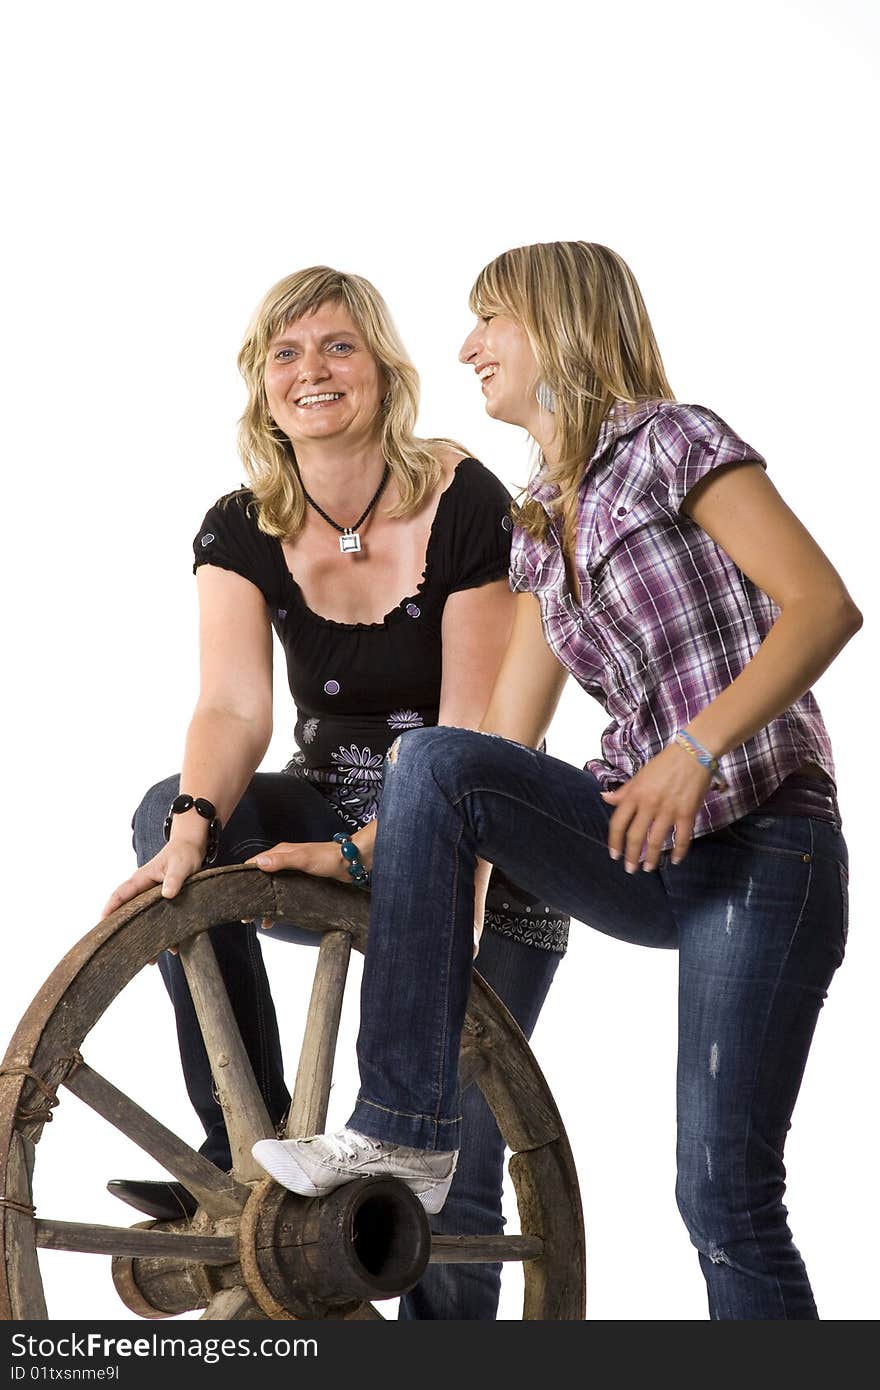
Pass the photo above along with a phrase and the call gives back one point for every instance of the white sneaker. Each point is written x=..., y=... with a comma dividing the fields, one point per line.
x=324, y=1162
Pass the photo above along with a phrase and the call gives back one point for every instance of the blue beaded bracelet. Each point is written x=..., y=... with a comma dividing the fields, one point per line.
x=703, y=757
x=352, y=856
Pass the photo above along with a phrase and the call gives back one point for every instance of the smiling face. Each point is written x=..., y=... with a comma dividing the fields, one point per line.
x=321, y=381
x=499, y=350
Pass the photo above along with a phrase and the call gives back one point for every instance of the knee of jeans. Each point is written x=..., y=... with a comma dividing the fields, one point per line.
x=691, y=1204
x=707, y=1190
x=719, y=1232
x=720, y=1214
x=707, y=1231
x=408, y=762
x=422, y=754
x=148, y=821
x=412, y=747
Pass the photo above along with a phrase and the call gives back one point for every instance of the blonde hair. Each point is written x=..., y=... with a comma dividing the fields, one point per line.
x=267, y=453
x=585, y=318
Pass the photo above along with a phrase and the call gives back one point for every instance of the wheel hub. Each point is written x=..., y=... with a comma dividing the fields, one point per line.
x=313, y=1257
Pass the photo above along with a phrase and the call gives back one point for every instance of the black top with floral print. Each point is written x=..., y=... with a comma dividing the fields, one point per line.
x=356, y=686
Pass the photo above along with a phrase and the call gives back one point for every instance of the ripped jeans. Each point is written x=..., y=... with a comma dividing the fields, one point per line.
x=757, y=911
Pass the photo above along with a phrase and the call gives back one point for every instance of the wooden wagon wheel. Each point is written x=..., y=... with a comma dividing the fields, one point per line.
x=254, y=1250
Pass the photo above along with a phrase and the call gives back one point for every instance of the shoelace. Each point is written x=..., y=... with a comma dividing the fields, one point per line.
x=347, y=1144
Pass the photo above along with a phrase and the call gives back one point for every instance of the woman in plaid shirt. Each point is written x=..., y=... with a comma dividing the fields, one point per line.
x=655, y=562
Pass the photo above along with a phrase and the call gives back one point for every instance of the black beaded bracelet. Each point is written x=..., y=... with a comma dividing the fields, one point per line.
x=207, y=810
x=352, y=856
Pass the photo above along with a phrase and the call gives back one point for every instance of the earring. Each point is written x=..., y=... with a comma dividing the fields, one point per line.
x=545, y=397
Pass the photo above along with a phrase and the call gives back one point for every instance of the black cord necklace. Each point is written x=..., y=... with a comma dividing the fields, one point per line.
x=349, y=540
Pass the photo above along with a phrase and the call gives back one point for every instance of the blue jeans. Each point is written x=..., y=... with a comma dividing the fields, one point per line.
x=279, y=807
x=757, y=912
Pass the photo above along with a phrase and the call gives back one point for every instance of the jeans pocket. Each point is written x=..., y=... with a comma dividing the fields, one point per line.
x=787, y=836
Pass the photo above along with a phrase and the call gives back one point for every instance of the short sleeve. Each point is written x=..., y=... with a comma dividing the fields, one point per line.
x=688, y=442
x=522, y=567
x=474, y=544
x=230, y=538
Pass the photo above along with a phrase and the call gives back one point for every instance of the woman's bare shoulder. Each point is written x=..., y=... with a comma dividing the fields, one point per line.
x=449, y=457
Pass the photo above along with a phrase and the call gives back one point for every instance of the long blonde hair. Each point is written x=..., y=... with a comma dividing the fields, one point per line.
x=267, y=453
x=583, y=312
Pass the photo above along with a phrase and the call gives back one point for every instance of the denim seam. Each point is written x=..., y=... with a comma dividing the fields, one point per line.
x=742, y=842
x=517, y=800
x=783, y=963
x=406, y=1114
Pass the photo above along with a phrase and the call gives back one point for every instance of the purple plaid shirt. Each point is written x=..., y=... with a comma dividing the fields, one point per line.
x=666, y=620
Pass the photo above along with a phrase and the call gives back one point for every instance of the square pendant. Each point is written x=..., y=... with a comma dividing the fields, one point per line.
x=349, y=542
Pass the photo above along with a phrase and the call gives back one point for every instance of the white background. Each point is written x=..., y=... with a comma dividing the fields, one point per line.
x=167, y=164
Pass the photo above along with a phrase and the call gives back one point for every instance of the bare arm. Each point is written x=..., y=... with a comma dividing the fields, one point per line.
x=523, y=701
x=530, y=680
x=476, y=629
x=230, y=728
x=741, y=510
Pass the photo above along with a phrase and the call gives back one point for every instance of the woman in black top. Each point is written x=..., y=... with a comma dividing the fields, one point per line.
x=346, y=511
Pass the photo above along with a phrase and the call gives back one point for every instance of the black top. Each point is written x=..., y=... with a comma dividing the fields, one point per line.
x=356, y=686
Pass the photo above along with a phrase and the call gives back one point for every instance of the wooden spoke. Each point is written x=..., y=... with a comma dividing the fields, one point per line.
x=472, y=1064
x=308, y=1110
x=243, y=1108
x=219, y=1194
x=475, y=1250
x=128, y=1240
x=232, y=1303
